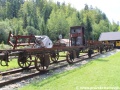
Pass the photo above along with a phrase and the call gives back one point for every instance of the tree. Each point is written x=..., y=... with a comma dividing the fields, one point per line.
x=12, y=8
x=57, y=24
x=115, y=26
x=4, y=31
x=8, y=10
x=46, y=12
x=31, y=30
x=73, y=20
x=35, y=18
x=88, y=29
x=86, y=7
x=25, y=21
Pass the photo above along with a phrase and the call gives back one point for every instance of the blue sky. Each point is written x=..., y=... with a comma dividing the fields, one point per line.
x=110, y=7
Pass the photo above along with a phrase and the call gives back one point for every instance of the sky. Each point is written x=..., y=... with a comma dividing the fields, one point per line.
x=110, y=7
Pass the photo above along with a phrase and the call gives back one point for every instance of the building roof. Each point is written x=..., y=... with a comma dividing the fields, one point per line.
x=65, y=40
x=109, y=36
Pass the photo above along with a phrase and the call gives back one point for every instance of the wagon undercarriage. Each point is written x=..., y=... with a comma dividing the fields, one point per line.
x=41, y=58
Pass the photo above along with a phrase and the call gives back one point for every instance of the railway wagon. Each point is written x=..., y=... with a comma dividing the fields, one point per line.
x=41, y=51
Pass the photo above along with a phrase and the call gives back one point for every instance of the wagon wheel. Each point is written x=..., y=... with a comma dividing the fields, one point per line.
x=54, y=57
x=39, y=63
x=68, y=58
x=24, y=61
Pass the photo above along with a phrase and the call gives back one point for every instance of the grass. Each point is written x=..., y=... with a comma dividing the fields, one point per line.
x=12, y=64
x=102, y=72
x=3, y=46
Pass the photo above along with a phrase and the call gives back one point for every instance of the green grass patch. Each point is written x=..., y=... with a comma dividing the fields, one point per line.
x=62, y=53
x=4, y=47
x=102, y=72
x=12, y=64
x=62, y=58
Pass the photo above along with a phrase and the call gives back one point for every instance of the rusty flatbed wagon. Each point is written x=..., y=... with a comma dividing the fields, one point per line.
x=42, y=52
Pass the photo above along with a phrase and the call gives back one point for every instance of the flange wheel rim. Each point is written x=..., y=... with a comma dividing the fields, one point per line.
x=68, y=59
x=38, y=65
x=25, y=64
x=55, y=59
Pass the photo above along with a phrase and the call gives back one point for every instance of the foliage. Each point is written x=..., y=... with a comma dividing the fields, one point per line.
x=115, y=27
x=32, y=30
x=49, y=18
x=4, y=28
x=2, y=45
x=57, y=24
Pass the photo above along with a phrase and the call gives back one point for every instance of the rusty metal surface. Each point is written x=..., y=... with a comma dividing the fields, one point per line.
x=17, y=40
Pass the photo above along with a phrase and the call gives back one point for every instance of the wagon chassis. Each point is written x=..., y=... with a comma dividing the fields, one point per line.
x=41, y=57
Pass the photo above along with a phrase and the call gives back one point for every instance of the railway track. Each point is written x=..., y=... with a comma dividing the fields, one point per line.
x=17, y=75
x=13, y=71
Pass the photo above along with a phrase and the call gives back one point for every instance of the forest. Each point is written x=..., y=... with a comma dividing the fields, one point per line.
x=45, y=17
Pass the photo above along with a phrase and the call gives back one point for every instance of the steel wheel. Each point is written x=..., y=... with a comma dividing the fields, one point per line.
x=24, y=62
x=54, y=57
x=39, y=63
x=68, y=58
